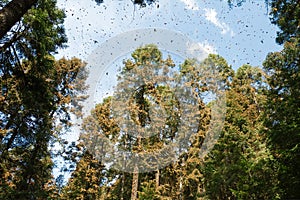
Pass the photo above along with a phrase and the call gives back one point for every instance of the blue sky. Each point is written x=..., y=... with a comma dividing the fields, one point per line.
x=241, y=34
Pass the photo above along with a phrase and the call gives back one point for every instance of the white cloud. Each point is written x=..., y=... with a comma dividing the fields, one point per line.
x=190, y=4
x=208, y=48
x=201, y=50
x=211, y=16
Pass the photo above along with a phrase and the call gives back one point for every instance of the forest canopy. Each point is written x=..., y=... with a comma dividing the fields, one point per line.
x=256, y=155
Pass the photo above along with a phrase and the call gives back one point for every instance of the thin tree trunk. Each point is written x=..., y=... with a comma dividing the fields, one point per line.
x=135, y=183
x=135, y=176
x=157, y=175
x=122, y=188
x=143, y=115
x=12, y=13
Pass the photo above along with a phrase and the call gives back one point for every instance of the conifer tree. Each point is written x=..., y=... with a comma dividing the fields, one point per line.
x=240, y=165
x=149, y=92
x=282, y=117
x=36, y=93
x=146, y=61
x=175, y=180
x=86, y=181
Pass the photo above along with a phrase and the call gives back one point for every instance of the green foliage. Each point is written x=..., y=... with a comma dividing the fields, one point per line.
x=86, y=180
x=286, y=15
x=240, y=165
x=148, y=191
x=36, y=93
x=256, y=157
x=282, y=106
x=283, y=115
x=141, y=3
x=182, y=179
x=146, y=60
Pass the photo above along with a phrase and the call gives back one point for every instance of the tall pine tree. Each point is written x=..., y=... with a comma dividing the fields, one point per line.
x=240, y=165
x=36, y=93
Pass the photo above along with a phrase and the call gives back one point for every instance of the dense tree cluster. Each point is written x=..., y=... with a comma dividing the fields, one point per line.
x=35, y=100
x=256, y=156
x=240, y=166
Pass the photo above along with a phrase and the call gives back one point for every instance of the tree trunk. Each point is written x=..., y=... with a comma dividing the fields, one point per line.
x=135, y=183
x=143, y=116
x=12, y=13
x=123, y=185
x=135, y=176
x=157, y=179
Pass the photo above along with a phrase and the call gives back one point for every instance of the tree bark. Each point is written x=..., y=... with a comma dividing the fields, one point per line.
x=12, y=13
x=157, y=175
x=123, y=185
x=135, y=176
x=135, y=183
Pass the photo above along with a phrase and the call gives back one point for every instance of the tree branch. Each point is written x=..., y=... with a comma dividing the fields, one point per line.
x=12, y=13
